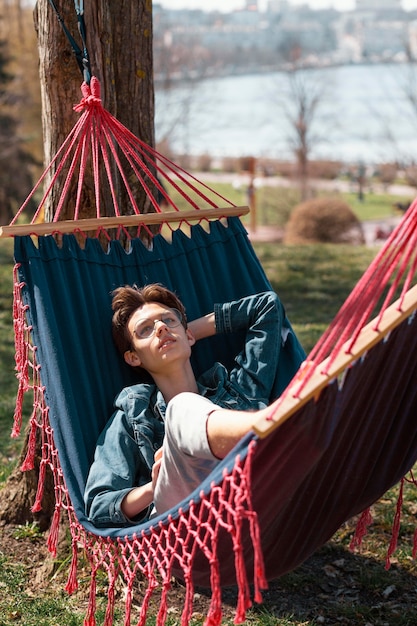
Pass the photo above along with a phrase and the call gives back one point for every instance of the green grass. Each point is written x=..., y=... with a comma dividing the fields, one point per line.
x=274, y=204
x=374, y=206
x=17, y=606
x=313, y=281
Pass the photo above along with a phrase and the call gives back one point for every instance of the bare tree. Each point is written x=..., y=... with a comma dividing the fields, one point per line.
x=394, y=109
x=176, y=81
x=301, y=102
x=181, y=65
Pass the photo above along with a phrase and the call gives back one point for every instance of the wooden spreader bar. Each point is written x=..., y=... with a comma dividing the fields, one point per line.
x=105, y=223
x=370, y=335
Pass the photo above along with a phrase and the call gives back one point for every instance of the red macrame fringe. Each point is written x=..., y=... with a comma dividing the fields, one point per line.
x=72, y=582
x=365, y=520
x=21, y=351
x=52, y=542
x=395, y=527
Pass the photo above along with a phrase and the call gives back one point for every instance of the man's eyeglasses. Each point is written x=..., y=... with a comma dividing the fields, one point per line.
x=146, y=328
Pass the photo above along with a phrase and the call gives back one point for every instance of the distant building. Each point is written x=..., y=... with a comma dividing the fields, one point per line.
x=383, y=40
x=277, y=6
x=378, y=5
x=412, y=29
x=249, y=39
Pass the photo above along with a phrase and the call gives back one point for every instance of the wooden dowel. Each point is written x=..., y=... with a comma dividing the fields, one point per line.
x=367, y=338
x=147, y=219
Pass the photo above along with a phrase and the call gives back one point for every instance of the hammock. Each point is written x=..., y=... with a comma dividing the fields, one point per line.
x=334, y=442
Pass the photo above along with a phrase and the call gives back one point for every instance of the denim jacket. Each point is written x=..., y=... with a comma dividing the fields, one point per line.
x=125, y=450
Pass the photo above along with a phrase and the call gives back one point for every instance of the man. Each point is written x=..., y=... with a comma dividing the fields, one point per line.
x=198, y=421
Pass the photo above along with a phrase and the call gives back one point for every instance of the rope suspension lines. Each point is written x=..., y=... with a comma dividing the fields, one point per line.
x=81, y=54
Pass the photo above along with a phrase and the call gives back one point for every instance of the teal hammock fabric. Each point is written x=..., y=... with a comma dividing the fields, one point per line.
x=68, y=292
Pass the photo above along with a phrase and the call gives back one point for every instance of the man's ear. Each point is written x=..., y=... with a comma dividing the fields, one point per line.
x=190, y=337
x=132, y=358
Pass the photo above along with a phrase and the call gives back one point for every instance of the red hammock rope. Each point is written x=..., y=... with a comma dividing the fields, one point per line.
x=388, y=279
x=98, y=136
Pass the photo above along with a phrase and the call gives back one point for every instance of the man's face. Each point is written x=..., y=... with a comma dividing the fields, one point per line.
x=159, y=340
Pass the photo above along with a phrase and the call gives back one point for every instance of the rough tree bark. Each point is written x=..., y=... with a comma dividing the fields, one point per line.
x=119, y=42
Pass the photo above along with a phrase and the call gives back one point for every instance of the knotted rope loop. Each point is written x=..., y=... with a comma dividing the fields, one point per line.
x=91, y=95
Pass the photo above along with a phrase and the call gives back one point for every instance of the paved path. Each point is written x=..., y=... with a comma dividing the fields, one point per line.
x=371, y=228
x=375, y=231
x=345, y=186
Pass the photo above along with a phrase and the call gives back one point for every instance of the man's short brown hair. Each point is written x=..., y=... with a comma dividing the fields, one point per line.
x=129, y=298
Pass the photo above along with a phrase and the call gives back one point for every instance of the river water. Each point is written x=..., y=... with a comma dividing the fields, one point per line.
x=363, y=114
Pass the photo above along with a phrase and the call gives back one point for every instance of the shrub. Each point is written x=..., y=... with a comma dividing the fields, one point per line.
x=323, y=220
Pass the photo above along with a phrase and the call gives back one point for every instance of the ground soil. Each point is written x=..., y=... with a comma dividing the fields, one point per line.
x=333, y=587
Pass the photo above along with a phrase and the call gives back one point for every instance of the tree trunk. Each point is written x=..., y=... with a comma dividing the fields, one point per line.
x=119, y=41
x=19, y=493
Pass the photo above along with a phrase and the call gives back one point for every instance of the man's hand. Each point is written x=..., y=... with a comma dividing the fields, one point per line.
x=203, y=326
x=139, y=498
x=156, y=467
